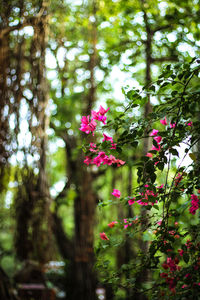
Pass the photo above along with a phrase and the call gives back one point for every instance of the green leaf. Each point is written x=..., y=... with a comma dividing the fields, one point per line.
x=193, y=156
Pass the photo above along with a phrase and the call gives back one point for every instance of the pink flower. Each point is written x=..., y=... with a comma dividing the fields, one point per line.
x=112, y=224
x=101, y=154
x=173, y=125
x=184, y=286
x=172, y=264
x=119, y=162
x=116, y=193
x=189, y=123
x=113, y=146
x=88, y=160
x=87, y=126
x=180, y=251
x=164, y=122
x=95, y=115
x=194, y=203
x=107, y=138
x=163, y=275
x=103, y=111
x=103, y=236
x=159, y=222
x=149, y=154
x=131, y=201
x=158, y=139
x=100, y=115
x=93, y=147
x=127, y=224
x=154, y=132
x=160, y=187
x=154, y=148
x=97, y=161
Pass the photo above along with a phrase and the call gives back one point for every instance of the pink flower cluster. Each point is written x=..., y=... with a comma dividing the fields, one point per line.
x=108, y=138
x=112, y=224
x=164, y=121
x=172, y=265
x=89, y=125
x=100, y=115
x=128, y=223
x=104, y=159
x=158, y=139
x=144, y=200
x=194, y=203
x=116, y=193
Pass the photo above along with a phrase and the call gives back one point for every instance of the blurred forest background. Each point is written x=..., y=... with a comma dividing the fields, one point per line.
x=59, y=59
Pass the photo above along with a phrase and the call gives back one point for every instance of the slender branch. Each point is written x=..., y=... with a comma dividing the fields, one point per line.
x=160, y=28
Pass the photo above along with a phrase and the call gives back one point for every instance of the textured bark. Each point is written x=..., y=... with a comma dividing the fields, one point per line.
x=84, y=210
x=81, y=277
x=85, y=204
x=4, y=96
x=33, y=199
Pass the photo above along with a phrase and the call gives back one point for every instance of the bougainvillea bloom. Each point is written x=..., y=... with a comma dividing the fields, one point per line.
x=154, y=132
x=172, y=125
x=100, y=115
x=116, y=193
x=103, y=236
x=107, y=138
x=144, y=200
x=88, y=160
x=158, y=139
x=149, y=154
x=163, y=275
x=156, y=148
x=127, y=224
x=102, y=158
x=194, y=203
x=113, y=146
x=189, y=123
x=103, y=111
x=180, y=251
x=93, y=147
x=164, y=122
x=112, y=224
x=160, y=187
x=131, y=201
x=88, y=126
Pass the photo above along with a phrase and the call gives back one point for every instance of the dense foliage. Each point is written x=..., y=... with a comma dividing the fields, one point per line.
x=168, y=184
x=63, y=59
